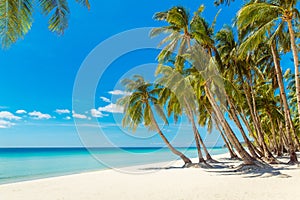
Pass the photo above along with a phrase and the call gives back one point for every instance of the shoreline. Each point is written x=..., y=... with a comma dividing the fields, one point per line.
x=80, y=162
x=163, y=180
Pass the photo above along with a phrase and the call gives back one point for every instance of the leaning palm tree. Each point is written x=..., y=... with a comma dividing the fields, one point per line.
x=16, y=17
x=259, y=17
x=183, y=94
x=196, y=45
x=138, y=109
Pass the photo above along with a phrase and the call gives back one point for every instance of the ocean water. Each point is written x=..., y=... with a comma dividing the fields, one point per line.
x=21, y=164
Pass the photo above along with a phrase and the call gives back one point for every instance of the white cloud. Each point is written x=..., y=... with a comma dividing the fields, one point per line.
x=105, y=99
x=111, y=108
x=79, y=116
x=5, y=124
x=8, y=115
x=119, y=92
x=39, y=115
x=67, y=118
x=21, y=112
x=96, y=113
x=62, y=111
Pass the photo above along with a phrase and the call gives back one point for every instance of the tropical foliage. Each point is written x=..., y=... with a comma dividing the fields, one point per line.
x=225, y=77
x=16, y=17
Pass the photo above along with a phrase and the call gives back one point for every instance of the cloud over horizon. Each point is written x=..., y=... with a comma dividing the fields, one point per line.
x=105, y=99
x=8, y=115
x=78, y=116
x=62, y=111
x=119, y=92
x=39, y=115
x=21, y=112
x=111, y=108
x=6, y=124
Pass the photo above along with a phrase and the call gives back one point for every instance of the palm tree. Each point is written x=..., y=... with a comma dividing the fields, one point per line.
x=255, y=21
x=212, y=83
x=138, y=109
x=260, y=17
x=179, y=37
x=16, y=17
x=199, y=51
x=183, y=94
x=179, y=41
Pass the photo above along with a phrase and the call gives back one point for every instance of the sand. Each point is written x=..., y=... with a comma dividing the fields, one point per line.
x=155, y=181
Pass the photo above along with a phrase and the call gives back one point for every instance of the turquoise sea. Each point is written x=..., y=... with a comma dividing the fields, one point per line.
x=21, y=164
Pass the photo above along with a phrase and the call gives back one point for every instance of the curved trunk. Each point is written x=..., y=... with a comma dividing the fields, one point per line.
x=247, y=159
x=280, y=144
x=296, y=64
x=207, y=154
x=231, y=151
x=258, y=150
x=293, y=158
x=261, y=134
x=247, y=95
x=256, y=122
x=273, y=133
x=176, y=152
x=195, y=130
x=232, y=112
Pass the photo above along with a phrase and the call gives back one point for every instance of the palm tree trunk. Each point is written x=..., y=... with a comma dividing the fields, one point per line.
x=293, y=157
x=288, y=119
x=247, y=159
x=296, y=60
x=176, y=152
x=232, y=112
x=273, y=132
x=190, y=115
x=280, y=150
x=258, y=150
x=231, y=151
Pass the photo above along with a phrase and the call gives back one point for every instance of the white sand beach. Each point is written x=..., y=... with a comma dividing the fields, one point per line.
x=156, y=182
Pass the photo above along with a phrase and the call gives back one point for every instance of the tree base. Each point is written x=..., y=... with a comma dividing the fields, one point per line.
x=271, y=160
x=203, y=165
x=293, y=159
x=256, y=166
x=212, y=161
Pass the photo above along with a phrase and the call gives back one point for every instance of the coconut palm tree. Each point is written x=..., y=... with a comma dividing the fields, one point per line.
x=255, y=19
x=16, y=17
x=182, y=94
x=138, y=109
x=179, y=37
x=179, y=41
x=203, y=55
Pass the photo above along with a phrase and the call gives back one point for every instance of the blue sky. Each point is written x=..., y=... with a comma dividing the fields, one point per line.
x=37, y=76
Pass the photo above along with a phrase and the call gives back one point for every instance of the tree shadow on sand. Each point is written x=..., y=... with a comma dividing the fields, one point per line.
x=253, y=171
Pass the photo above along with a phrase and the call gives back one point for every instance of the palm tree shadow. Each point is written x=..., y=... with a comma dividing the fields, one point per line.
x=161, y=168
x=253, y=172
x=219, y=165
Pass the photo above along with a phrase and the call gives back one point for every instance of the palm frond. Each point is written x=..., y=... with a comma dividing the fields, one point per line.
x=58, y=21
x=15, y=20
x=85, y=3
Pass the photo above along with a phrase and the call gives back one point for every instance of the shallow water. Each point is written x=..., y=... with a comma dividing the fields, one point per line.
x=20, y=164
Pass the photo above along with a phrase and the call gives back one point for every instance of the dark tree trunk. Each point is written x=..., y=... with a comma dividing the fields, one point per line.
x=247, y=159
x=185, y=159
x=232, y=112
x=287, y=115
x=190, y=115
x=231, y=151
